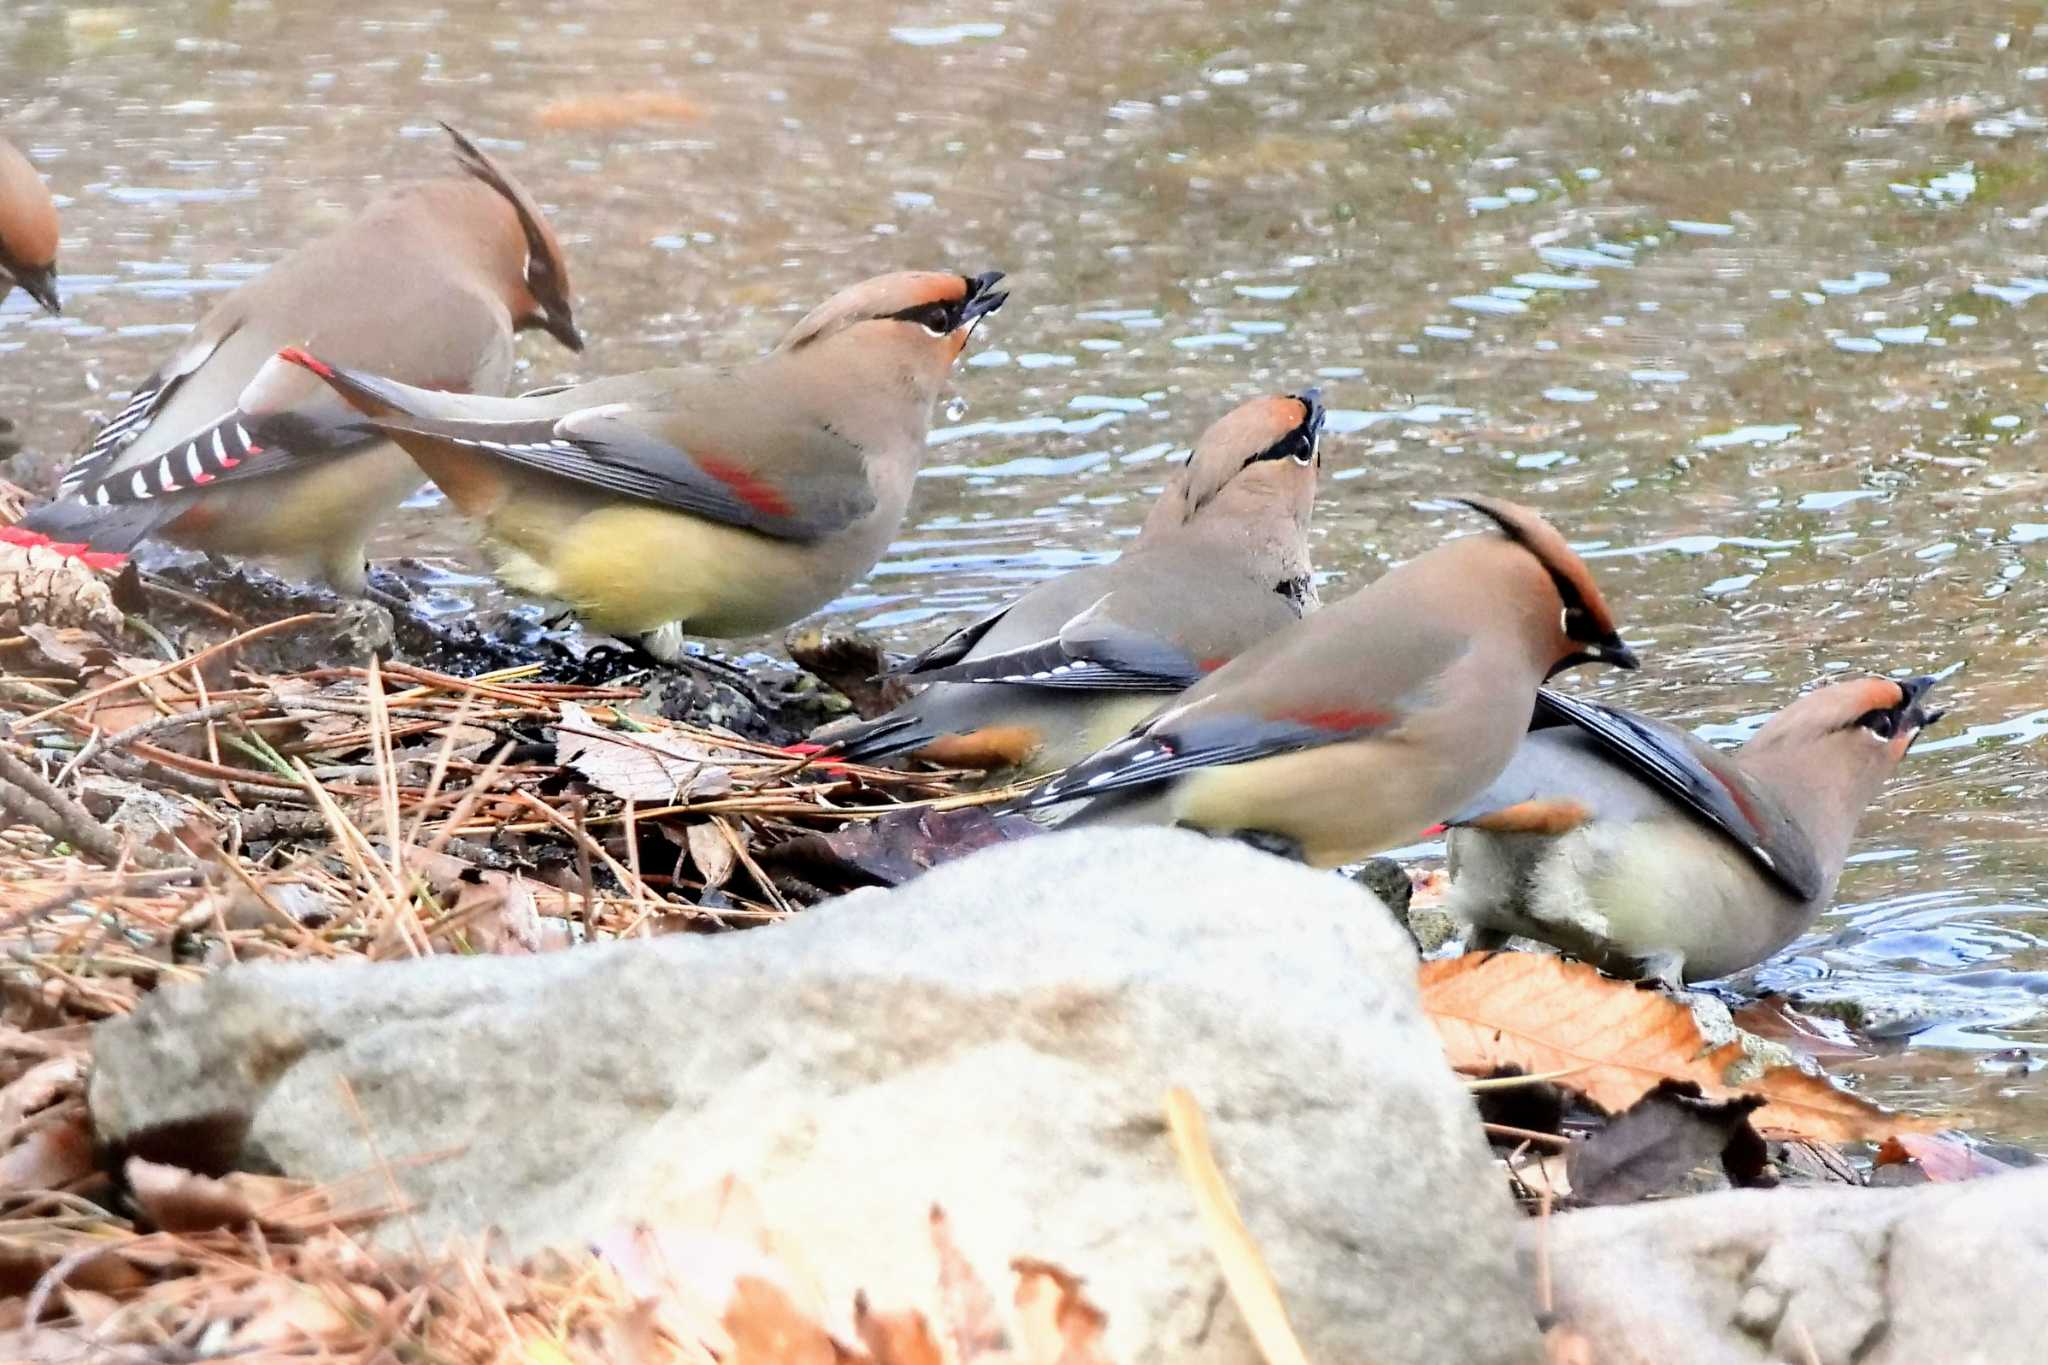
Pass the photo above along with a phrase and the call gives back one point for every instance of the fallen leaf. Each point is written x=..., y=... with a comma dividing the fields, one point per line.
x=901, y=844
x=492, y=911
x=39, y=1087
x=1542, y=1013
x=1942, y=1159
x=623, y=109
x=850, y=663
x=640, y=766
x=1056, y=1325
x=65, y=648
x=177, y=1200
x=767, y=1329
x=1651, y=1146
x=969, y=1308
x=895, y=1338
x=51, y=1154
x=711, y=851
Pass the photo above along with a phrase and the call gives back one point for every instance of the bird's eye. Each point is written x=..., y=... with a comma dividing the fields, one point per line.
x=935, y=318
x=1880, y=722
x=1577, y=625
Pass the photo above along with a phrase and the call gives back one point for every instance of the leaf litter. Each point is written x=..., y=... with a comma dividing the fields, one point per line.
x=390, y=810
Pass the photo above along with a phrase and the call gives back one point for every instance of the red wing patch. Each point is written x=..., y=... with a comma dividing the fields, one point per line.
x=1336, y=718
x=1211, y=665
x=750, y=489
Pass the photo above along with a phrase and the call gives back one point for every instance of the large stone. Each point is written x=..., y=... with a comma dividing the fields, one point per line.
x=996, y=1037
x=1830, y=1276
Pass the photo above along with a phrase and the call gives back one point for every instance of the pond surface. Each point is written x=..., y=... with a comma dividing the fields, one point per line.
x=1746, y=297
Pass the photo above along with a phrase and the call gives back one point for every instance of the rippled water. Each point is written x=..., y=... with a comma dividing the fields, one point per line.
x=1746, y=298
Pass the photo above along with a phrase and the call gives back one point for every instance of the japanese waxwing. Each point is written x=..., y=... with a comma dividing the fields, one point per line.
x=220, y=451
x=718, y=501
x=1368, y=722
x=28, y=231
x=1078, y=660
x=1632, y=843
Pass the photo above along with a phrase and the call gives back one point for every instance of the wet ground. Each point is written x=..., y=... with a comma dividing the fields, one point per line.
x=1745, y=296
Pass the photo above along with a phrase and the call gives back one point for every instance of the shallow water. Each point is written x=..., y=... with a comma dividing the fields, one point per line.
x=1745, y=297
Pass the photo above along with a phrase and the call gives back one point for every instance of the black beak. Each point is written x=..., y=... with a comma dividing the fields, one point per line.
x=982, y=297
x=1612, y=650
x=562, y=327
x=1912, y=714
x=40, y=284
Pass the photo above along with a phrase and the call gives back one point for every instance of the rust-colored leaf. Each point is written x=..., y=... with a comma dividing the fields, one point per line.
x=896, y=1338
x=1943, y=1160
x=1542, y=1013
x=767, y=1329
x=1056, y=1324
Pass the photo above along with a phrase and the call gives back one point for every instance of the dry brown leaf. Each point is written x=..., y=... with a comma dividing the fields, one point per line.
x=767, y=1329
x=639, y=766
x=491, y=911
x=896, y=1338
x=623, y=109
x=1943, y=1160
x=1541, y=1013
x=711, y=851
x=969, y=1308
x=52, y=1154
x=279, y=1313
x=1056, y=1325
x=39, y=1087
x=177, y=1200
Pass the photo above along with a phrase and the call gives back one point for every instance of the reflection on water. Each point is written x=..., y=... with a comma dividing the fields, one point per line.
x=1747, y=298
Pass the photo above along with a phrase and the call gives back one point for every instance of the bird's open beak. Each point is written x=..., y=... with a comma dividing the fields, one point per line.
x=1912, y=712
x=982, y=297
x=41, y=285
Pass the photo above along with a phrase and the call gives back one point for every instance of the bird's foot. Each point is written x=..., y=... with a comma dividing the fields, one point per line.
x=1666, y=969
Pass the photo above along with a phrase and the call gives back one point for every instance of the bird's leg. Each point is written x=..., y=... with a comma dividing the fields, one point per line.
x=1665, y=968
x=1484, y=940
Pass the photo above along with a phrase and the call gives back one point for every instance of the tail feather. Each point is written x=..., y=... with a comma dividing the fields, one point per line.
x=883, y=737
x=402, y=408
x=101, y=536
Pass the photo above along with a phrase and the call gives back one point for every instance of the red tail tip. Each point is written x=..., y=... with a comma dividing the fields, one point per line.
x=307, y=360
x=79, y=550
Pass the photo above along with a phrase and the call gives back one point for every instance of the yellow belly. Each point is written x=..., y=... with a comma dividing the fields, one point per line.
x=1339, y=802
x=632, y=568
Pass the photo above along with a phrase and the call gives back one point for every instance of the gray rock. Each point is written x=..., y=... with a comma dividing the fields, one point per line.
x=1835, y=1277
x=996, y=1037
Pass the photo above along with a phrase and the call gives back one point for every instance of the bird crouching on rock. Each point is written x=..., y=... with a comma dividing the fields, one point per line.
x=1642, y=848
x=721, y=501
x=1365, y=724
x=28, y=231
x=1221, y=563
x=219, y=451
